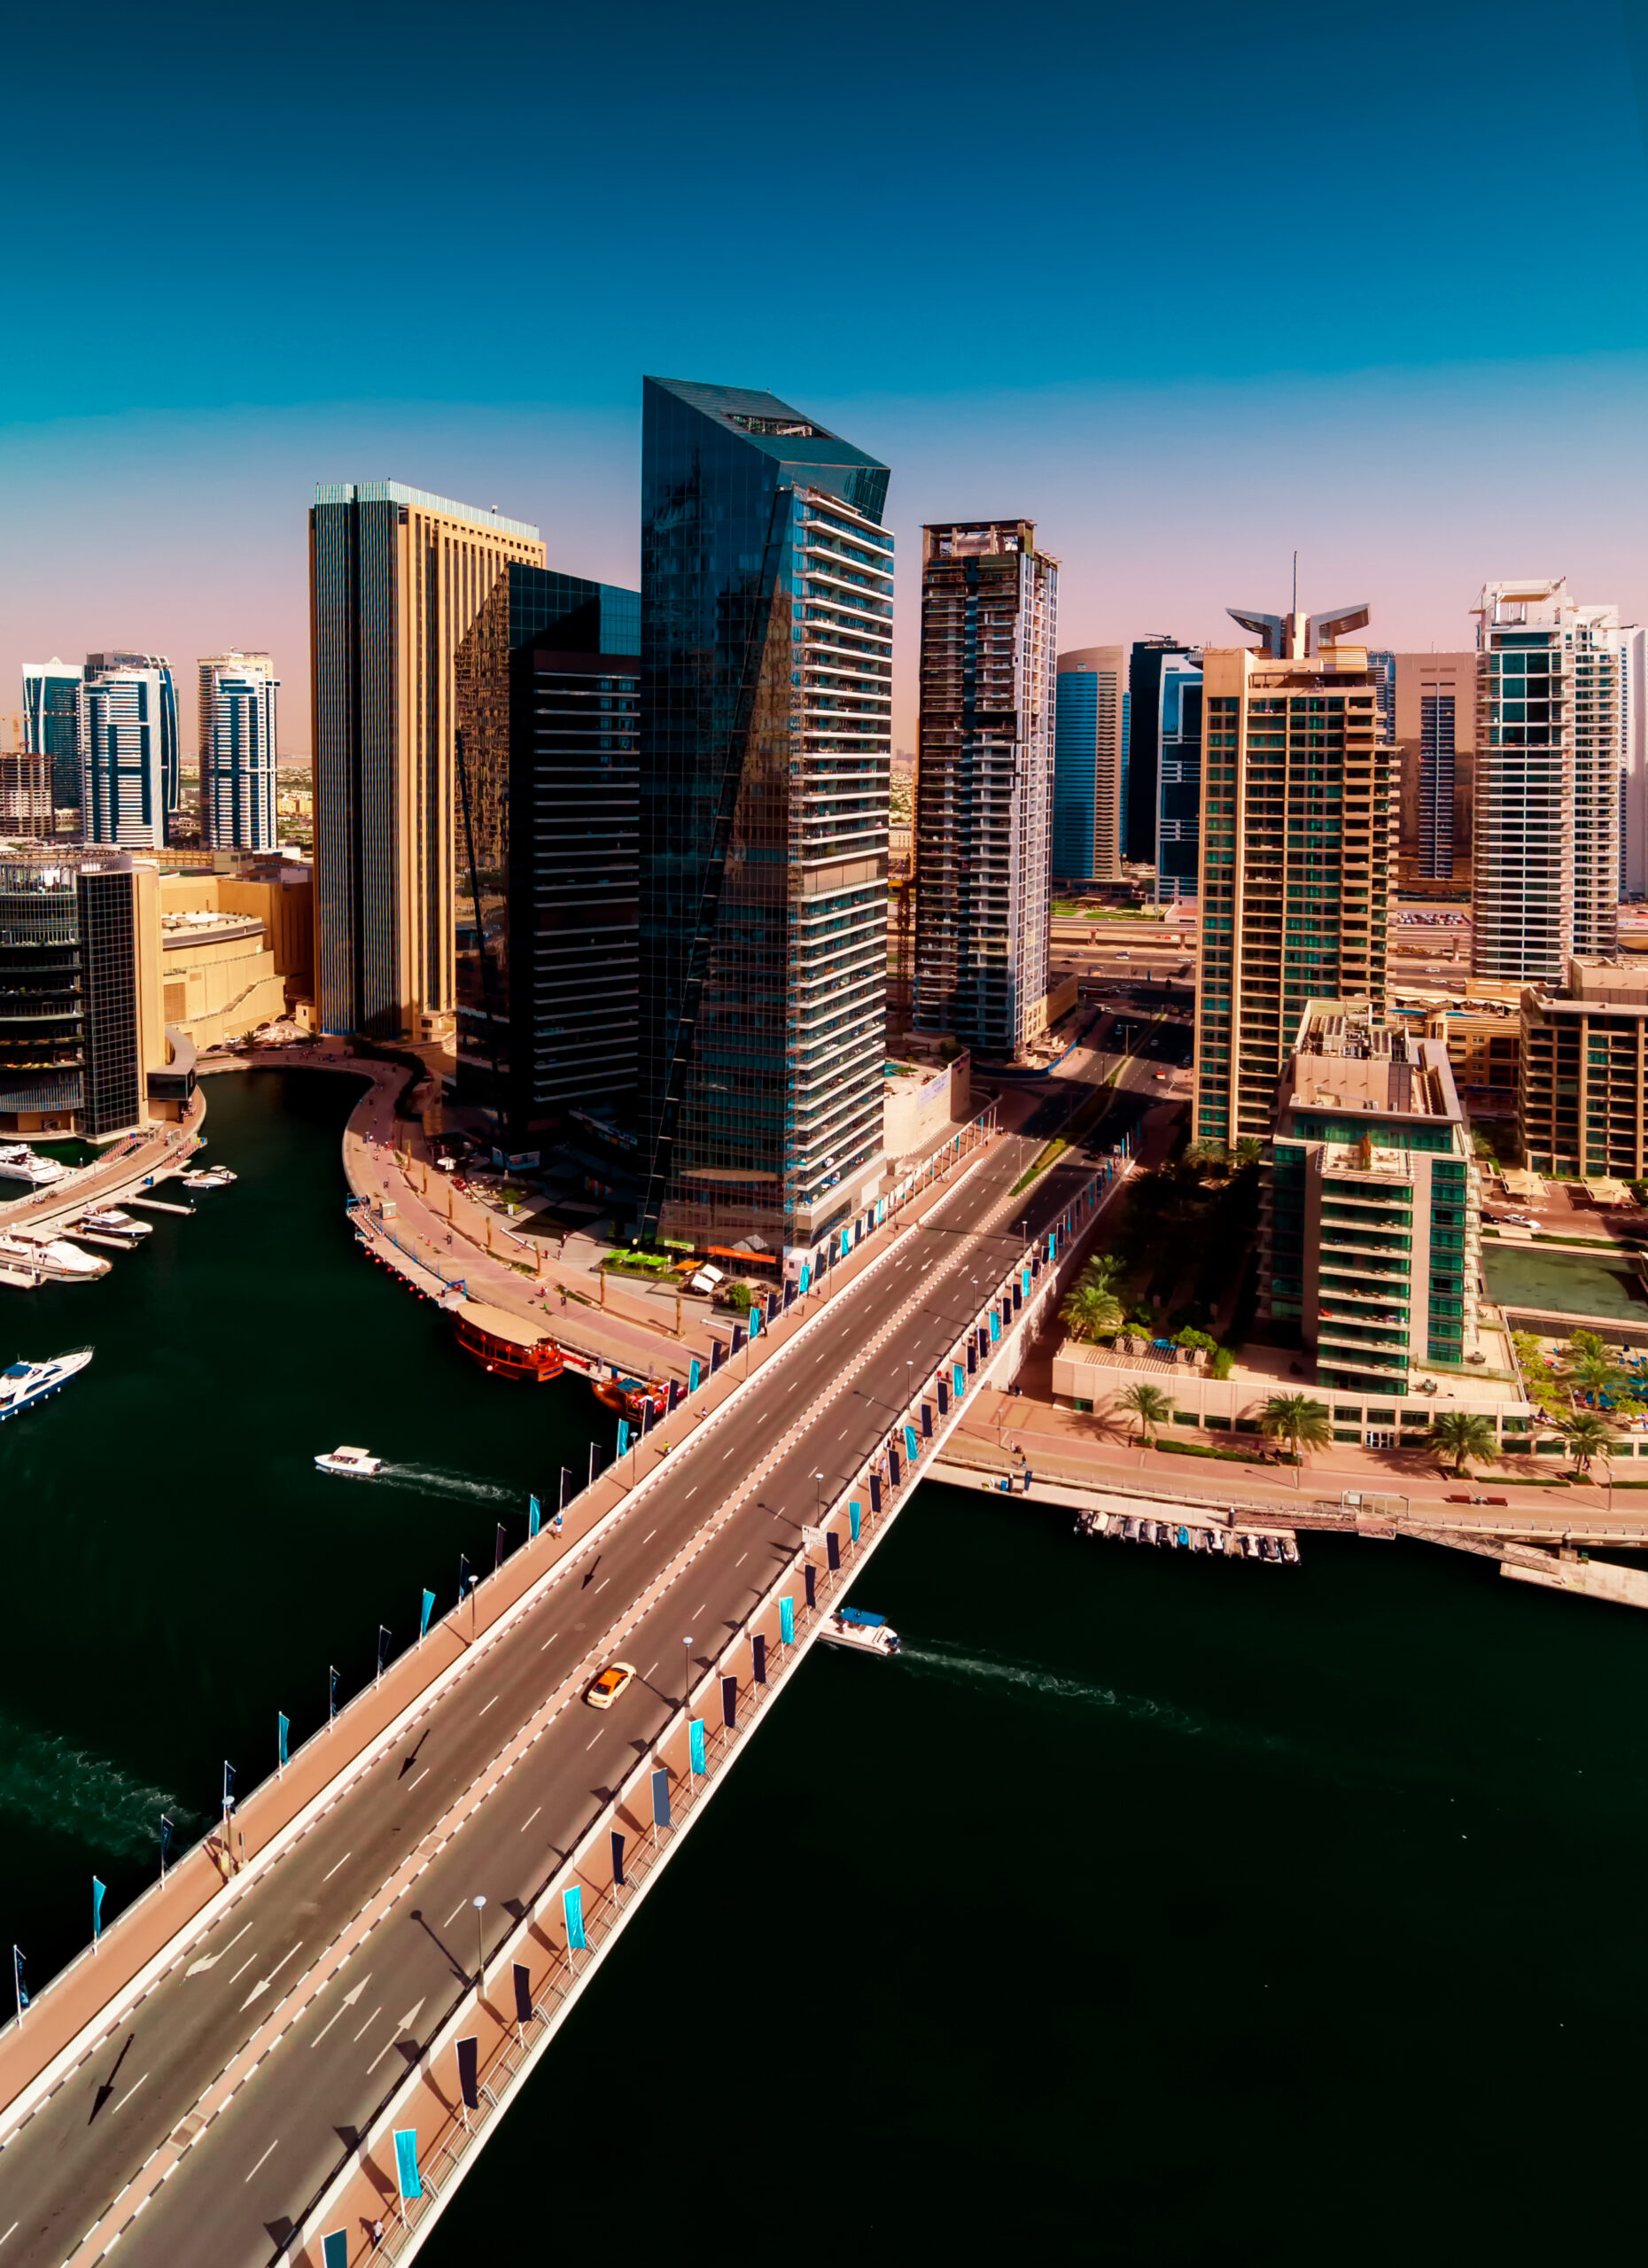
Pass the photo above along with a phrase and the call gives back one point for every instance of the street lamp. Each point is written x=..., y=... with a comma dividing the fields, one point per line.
x=818, y=1493
x=687, y=1671
x=480, y=1942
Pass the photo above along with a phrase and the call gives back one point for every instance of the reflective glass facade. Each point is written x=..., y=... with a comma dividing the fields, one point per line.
x=548, y=685
x=1179, y=777
x=163, y=720
x=1090, y=765
x=1144, y=718
x=124, y=737
x=766, y=767
x=70, y=1052
x=51, y=724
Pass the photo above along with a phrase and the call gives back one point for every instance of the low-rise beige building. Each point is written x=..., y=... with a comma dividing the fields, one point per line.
x=924, y=1096
x=236, y=952
x=1580, y=1105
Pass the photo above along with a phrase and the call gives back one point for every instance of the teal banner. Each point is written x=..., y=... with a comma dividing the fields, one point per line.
x=428, y=1604
x=98, y=1890
x=755, y=1318
x=995, y=1326
x=694, y=1375
x=694, y=1731
x=623, y=1435
x=335, y=2248
x=405, y=2163
x=534, y=1517
x=807, y=1278
x=910, y=1448
x=572, y=1906
x=854, y=1516
x=1024, y=1282
x=787, y=1619
x=960, y=1376
x=282, y=1730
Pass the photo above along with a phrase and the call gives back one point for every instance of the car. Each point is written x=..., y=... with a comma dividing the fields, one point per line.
x=1160, y=1074
x=604, y=1691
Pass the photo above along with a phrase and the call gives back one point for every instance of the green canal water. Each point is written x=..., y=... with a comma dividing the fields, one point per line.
x=1251, y=1914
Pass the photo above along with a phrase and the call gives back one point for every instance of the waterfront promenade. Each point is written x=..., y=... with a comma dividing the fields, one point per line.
x=122, y=1172
x=469, y=1768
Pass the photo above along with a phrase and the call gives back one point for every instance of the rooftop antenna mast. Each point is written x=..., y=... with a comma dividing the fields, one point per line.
x=1295, y=582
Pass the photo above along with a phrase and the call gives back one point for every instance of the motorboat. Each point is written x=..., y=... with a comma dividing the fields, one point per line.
x=113, y=1223
x=56, y=1258
x=359, y=1464
x=864, y=1633
x=26, y=1383
x=208, y=1177
x=18, y=1163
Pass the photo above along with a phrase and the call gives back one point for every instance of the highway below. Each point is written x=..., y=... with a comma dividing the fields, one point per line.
x=384, y=1881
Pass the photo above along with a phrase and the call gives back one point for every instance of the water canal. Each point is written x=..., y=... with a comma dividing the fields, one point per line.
x=1254, y=1914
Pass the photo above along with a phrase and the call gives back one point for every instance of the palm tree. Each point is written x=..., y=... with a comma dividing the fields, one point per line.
x=1101, y=1274
x=1466, y=1437
x=1089, y=1312
x=1588, y=1436
x=1249, y=1150
x=1589, y=1370
x=1149, y=1405
x=1298, y=1420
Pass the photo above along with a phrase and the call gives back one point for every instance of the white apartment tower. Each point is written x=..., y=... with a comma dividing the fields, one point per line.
x=237, y=751
x=1548, y=722
x=1633, y=763
x=123, y=748
x=983, y=798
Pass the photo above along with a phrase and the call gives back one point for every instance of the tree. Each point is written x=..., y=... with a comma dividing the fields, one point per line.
x=1249, y=1150
x=1149, y=1405
x=1588, y=1436
x=1102, y=1272
x=1466, y=1437
x=1595, y=1373
x=1089, y=1312
x=1298, y=1420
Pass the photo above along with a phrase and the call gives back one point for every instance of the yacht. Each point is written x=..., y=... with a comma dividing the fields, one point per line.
x=360, y=1464
x=208, y=1177
x=28, y=1383
x=112, y=1222
x=865, y=1634
x=18, y=1163
x=56, y=1258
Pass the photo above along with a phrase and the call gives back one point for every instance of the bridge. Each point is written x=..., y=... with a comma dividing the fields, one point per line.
x=293, y=2048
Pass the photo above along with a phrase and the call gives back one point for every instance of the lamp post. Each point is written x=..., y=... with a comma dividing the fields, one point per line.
x=687, y=1671
x=480, y=1942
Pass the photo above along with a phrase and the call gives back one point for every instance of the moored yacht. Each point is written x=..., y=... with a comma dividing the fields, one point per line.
x=26, y=1383
x=18, y=1163
x=112, y=1222
x=55, y=1258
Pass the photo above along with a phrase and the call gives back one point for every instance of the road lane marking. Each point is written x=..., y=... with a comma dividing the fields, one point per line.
x=525, y=1823
x=599, y=1587
x=494, y=1697
x=651, y=1532
x=588, y=1745
x=549, y=1642
x=348, y=1855
x=741, y=1559
x=423, y=1774
x=648, y=1672
x=267, y=2153
x=370, y=2021
x=263, y=1984
x=453, y=1916
x=691, y=1492
x=120, y=2106
x=347, y=2001
x=211, y=1959
x=245, y=1965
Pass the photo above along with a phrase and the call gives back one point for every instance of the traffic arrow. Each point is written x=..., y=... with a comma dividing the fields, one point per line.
x=211, y=1959
x=263, y=1984
x=347, y=2001
x=409, y=2019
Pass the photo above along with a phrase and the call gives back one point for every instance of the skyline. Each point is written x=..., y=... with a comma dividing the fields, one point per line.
x=1225, y=317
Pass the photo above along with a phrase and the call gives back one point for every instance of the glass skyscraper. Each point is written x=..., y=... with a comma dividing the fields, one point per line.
x=162, y=717
x=238, y=723
x=1144, y=727
x=765, y=770
x=1179, y=777
x=547, y=688
x=1090, y=764
x=128, y=740
x=51, y=724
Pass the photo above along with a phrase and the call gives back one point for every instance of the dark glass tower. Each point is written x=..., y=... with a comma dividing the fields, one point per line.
x=765, y=769
x=1144, y=754
x=547, y=688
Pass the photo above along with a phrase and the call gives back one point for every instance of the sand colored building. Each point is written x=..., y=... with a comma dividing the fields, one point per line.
x=1434, y=710
x=235, y=952
x=1582, y=1105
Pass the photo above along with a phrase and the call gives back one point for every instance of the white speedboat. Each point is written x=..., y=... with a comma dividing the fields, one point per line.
x=55, y=1258
x=18, y=1163
x=208, y=1177
x=113, y=1223
x=360, y=1464
x=865, y=1634
x=28, y=1383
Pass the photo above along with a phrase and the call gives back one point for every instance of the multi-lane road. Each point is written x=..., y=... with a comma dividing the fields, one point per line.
x=263, y=1987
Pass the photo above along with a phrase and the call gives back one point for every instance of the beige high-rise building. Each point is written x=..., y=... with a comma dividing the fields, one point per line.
x=1296, y=853
x=397, y=579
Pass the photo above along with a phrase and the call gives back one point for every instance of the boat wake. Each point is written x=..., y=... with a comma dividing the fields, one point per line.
x=936, y=1660
x=51, y=1784
x=433, y=1481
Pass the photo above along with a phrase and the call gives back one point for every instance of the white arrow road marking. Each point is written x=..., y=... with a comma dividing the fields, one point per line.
x=400, y=2032
x=211, y=1959
x=347, y=2001
x=263, y=1985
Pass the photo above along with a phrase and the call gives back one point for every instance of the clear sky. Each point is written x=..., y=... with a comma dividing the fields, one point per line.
x=1186, y=295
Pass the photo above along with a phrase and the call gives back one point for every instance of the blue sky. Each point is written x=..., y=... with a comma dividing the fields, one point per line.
x=1187, y=296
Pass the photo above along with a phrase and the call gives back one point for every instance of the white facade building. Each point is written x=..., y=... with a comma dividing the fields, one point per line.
x=237, y=751
x=1633, y=762
x=1546, y=854
x=122, y=756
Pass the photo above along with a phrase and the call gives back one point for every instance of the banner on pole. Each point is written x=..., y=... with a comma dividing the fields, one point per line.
x=832, y=1549
x=855, y=1516
x=405, y=2163
x=98, y=1891
x=497, y=1552
x=809, y=1575
x=331, y=1697
x=282, y=1727
x=429, y=1608
x=895, y=1470
x=572, y=1906
x=787, y=1619
x=995, y=1326
x=757, y=1658
x=335, y=2248
x=522, y=1993
x=927, y=1421
x=942, y=1388
x=971, y=1355
x=695, y=1734
x=661, y=1799
x=960, y=1376
x=846, y=1243
x=382, y=1648
x=807, y=1278
x=20, y=1987
x=729, y=1702
x=534, y=1517
x=1024, y=1280
x=617, y=1859
x=623, y=1436
x=469, y=2072
x=911, y=1448
x=739, y=1335
x=755, y=1318
x=694, y=1375
x=875, y=1492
